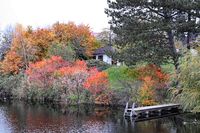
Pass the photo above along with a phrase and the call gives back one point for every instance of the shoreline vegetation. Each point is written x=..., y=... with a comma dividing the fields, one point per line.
x=55, y=64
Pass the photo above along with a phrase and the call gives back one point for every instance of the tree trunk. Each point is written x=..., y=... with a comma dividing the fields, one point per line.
x=173, y=48
x=188, y=34
x=174, y=54
x=78, y=94
x=169, y=20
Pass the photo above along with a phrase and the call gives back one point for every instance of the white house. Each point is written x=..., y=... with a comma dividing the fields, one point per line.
x=101, y=54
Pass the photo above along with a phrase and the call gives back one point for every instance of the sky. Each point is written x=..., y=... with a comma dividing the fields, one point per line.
x=42, y=13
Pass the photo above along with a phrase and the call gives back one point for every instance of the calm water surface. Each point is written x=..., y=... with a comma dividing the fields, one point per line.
x=20, y=117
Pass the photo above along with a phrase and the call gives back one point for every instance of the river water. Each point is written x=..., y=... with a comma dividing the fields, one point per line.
x=18, y=117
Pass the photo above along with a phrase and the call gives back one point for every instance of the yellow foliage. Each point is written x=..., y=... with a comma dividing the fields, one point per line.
x=147, y=93
x=32, y=45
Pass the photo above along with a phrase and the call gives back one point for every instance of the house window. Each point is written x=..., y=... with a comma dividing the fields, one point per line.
x=114, y=62
x=100, y=57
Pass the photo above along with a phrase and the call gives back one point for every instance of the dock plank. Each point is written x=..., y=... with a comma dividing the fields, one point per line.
x=155, y=107
x=149, y=109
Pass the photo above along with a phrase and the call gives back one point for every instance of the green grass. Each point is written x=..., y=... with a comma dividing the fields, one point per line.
x=117, y=73
x=120, y=74
x=168, y=68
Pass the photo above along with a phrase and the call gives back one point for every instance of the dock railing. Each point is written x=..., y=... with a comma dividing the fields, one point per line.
x=132, y=111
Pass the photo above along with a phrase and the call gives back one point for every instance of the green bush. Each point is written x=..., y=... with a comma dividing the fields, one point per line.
x=117, y=73
x=120, y=74
x=124, y=84
x=168, y=68
x=100, y=65
x=189, y=78
x=43, y=95
x=64, y=51
x=9, y=84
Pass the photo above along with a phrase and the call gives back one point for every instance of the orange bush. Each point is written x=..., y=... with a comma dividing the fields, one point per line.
x=42, y=72
x=97, y=82
x=147, y=94
x=154, y=72
x=153, y=78
x=73, y=75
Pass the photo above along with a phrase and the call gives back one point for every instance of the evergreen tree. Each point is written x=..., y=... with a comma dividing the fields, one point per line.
x=146, y=29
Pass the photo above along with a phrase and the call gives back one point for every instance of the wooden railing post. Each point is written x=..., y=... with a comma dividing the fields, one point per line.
x=133, y=112
x=126, y=108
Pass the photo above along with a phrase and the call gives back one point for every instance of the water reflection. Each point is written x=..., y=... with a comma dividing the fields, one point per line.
x=23, y=117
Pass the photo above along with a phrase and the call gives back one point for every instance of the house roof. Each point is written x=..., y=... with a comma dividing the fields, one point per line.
x=103, y=50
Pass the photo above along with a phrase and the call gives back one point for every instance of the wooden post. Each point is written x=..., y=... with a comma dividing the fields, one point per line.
x=133, y=112
x=147, y=113
x=159, y=111
x=125, y=110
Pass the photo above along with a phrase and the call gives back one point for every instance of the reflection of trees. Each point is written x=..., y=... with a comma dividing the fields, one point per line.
x=186, y=123
x=168, y=124
x=92, y=118
x=25, y=118
x=36, y=118
x=102, y=112
x=150, y=126
x=17, y=115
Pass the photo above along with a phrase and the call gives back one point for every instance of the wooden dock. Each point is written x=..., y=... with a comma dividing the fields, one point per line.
x=132, y=111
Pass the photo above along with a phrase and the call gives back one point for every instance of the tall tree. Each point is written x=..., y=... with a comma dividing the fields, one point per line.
x=147, y=28
x=14, y=58
x=6, y=40
x=80, y=36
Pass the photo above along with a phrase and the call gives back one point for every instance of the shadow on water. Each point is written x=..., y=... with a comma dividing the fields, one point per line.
x=26, y=117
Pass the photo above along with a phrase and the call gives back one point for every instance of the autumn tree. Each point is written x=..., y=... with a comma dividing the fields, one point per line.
x=80, y=36
x=41, y=39
x=34, y=45
x=29, y=45
x=14, y=58
x=64, y=51
x=11, y=64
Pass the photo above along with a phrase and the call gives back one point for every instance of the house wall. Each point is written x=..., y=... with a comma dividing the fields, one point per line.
x=96, y=57
x=119, y=63
x=107, y=59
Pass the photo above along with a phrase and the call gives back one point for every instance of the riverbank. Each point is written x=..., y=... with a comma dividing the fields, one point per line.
x=56, y=103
